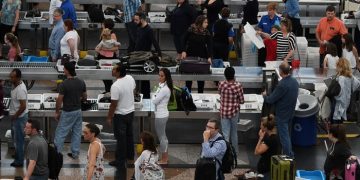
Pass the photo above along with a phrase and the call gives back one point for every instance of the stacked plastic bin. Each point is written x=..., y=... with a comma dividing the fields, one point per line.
x=313, y=57
x=302, y=45
x=249, y=52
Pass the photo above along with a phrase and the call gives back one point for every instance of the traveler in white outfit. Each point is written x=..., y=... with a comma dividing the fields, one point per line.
x=161, y=99
x=349, y=51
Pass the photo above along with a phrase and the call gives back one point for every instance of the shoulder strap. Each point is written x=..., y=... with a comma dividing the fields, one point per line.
x=217, y=139
x=101, y=149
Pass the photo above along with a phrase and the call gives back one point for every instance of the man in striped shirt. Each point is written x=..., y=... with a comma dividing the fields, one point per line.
x=231, y=96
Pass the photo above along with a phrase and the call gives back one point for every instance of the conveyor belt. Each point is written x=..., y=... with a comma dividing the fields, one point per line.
x=6, y=64
x=251, y=77
x=229, y=2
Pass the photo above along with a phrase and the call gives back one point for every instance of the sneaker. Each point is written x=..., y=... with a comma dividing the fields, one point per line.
x=113, y=163
x=14, y=164
x=72, y=157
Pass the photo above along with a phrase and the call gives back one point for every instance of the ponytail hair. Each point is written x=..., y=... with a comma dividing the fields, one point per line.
x=269, y=122
x=13, y=40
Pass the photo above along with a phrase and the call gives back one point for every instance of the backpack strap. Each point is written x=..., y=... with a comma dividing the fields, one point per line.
x=219, y=172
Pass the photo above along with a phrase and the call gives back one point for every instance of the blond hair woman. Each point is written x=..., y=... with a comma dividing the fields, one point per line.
x=348, y=84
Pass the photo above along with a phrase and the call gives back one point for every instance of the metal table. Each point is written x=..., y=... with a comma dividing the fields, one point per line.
x=47, y=114
x=250, y=77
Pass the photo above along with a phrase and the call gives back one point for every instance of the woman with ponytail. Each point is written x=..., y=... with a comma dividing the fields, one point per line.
x=267, y=146
x=161, y=99
x=14, y=52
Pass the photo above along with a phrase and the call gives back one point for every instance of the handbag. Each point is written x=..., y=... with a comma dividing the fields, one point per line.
x=333, y=89
x=65, y=58
x=194, y=65
x=151, y=170
x=295, y=63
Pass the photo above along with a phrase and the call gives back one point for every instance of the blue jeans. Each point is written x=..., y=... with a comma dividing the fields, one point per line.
x=18, y=136
x=229, y=129
x=284, y=135
x=69, y=121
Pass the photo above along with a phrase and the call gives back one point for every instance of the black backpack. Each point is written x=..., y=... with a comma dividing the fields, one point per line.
x=96, y=14
x=55, y=162
x=184, y=100
x=229, y=160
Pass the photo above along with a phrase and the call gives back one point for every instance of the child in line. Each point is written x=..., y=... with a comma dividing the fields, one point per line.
x=349, y=51
x=331, y=57
x=14, y=52
x=271, y=45
x=106, y=43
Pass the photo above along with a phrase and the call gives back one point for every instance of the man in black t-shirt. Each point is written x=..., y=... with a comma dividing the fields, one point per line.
x=71, y=92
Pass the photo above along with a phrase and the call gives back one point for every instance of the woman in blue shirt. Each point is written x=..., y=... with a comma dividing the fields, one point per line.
x=292, y=11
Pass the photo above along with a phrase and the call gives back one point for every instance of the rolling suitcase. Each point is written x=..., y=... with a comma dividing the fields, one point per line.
x=352, y=171
x=282, y=168
x=194, y=65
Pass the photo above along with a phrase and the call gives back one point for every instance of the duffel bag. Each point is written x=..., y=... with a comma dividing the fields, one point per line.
x=194, y=65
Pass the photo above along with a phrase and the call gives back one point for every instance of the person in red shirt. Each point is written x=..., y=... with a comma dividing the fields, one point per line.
x=329, y=29
x=231, y=96
x=271, y=45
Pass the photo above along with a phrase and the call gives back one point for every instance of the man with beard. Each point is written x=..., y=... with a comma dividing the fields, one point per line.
x=144, y=39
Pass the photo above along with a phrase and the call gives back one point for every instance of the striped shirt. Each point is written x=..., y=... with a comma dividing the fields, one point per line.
x=284, y=44
x=130, y=8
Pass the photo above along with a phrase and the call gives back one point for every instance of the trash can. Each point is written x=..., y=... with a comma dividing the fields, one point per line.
x=305, y=121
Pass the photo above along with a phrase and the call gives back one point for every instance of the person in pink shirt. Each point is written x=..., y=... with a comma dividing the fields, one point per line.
x=106, y=44
x=14, y=52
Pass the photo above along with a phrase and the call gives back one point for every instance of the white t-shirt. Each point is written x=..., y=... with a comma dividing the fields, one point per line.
x=161, y=100
x=145, y=155
x=53, y=5
x=331, y=61
x=64, y=46
x=17, y=94
x=123, y=91
x=349, y=55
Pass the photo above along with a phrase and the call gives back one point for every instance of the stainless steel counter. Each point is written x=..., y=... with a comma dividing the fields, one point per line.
x=250, y=77
x=109, y=2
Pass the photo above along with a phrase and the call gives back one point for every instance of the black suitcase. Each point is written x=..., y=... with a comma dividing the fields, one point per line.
x=194, y=65
x=205, y=169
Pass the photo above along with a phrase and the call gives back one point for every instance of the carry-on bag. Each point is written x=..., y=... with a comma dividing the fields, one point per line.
x=282, y=168
x=194, y=65
x=205, y=169
x=352, y=170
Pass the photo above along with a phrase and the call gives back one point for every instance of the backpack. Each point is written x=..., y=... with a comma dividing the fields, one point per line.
x=55, y=162
x=95, y=14
x=151, y=170
x=229, y=160
x=334, y=88
x=182, y=101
